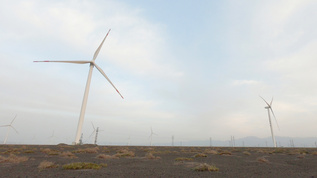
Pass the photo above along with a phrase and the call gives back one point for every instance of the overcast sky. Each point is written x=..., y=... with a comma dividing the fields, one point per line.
x=192, y=69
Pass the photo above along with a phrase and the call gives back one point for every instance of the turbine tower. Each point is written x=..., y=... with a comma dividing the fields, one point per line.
x=9, y=126
x=269, y=110
x=85, y=98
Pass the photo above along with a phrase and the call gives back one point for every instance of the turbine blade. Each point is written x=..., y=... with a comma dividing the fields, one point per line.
x=91, y=134
x=265, y=101
x=271, y=102
x=13, y=119
x=103, y=73
x=275, y=118
x=74, y=62
x=14, y=129
x=93, y=126
x=98, y=49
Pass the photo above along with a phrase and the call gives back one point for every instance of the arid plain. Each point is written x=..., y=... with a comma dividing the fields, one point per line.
x=142, y=161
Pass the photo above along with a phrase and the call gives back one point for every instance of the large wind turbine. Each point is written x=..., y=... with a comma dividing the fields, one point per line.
x=84, y=103
x=269, y=108
x=9, y=126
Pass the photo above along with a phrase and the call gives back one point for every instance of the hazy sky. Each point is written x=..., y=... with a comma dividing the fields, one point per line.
x=192, y=69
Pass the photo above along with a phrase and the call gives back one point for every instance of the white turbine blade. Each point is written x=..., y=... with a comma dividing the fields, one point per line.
x=271, y=102
x=13, y=119
x=91, y=134
x=103, y=73
x=14, y=129
x=275, y=118
x=265, y=101
x=74, y=62
x=93, y=126
x=98, y=49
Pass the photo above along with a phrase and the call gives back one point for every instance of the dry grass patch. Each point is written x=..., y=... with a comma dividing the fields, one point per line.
x=206, y=167
x=87, y=150
x=246, y=153
x=151, y=156
x=209, y=151
x=183, y=159
x=125, y=153
x=68, y=154
x=47, y=164
x=13, y=159
x=50, y=151
x=104, y=156
x=29, y=151
x=83, y=165
x=263, y=160
x=200, y=155
x=314, y=153
x=225, y=153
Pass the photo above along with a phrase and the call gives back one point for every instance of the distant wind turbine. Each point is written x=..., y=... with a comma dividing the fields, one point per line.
x=152, y=133
x=84, y=103
x=93, y=132
x=52, y=138
x=269, y=109
x=9, y=126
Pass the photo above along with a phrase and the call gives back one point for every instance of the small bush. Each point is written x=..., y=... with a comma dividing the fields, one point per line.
x=246, y=153
x=13, y=159
x=68, y=154
x=200, y=155
x=206, y=167
x=225, y=153
x=209, y=151
x=183, y=159
x=47, y=164
x=82, y=165
x=262, y=160
x=87, y=150
x=151, y=156
x=104, y=156
x=29, y=151
x=125, y=153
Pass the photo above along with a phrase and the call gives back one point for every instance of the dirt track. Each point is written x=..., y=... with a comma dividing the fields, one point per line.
x=162, y=162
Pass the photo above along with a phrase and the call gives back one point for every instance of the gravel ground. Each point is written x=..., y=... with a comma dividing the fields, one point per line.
x=138, y=161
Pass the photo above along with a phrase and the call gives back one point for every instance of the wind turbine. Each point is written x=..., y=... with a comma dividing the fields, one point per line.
x=52, y=138
x=152, y=133
x=9, y=126
x=269, y=108
x=93, y=132
x=85, y=98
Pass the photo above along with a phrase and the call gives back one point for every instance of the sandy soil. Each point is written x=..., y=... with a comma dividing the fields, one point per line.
x=24, y=161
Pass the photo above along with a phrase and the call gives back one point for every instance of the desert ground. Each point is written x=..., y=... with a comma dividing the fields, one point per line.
x=141, y=161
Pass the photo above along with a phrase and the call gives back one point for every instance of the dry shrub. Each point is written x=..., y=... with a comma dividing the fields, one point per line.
x=225, y=153
x=125, y=153
x=82, y=165
x=104, y=156
x=262, y=160
x=206, y=167
x=209, y=151
x=13, y=159
x=68, y=154
x=151, y=156
x=183, y=159
x=246, y=153
x=47, y=164
x=200, y=155
x=87, y=150
x=314, y=153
